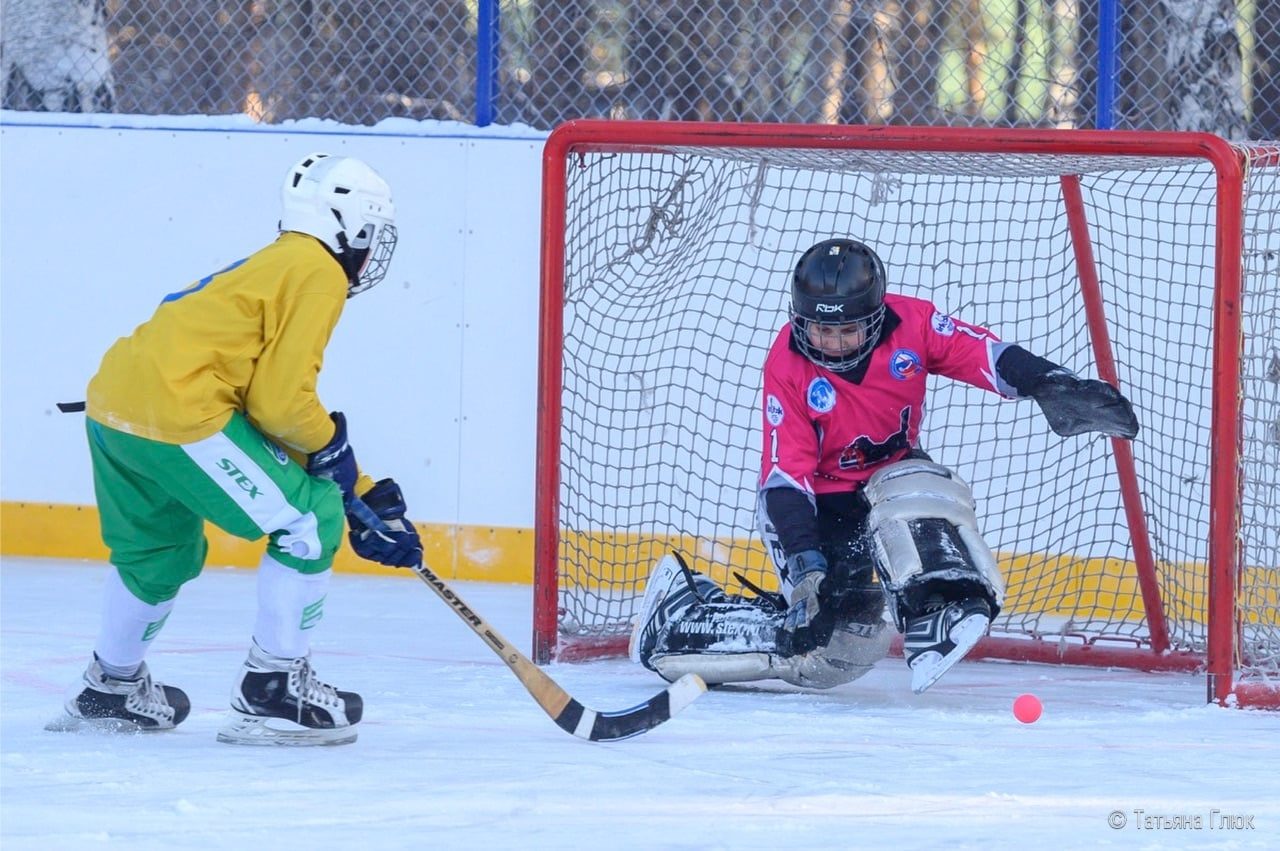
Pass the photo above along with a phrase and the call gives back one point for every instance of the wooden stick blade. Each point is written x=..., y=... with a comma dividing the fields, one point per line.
x=569, y=714
x=614, y=726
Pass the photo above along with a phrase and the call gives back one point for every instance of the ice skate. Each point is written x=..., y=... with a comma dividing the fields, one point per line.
x=280, y=701
x=109, y=704
x=938, y=639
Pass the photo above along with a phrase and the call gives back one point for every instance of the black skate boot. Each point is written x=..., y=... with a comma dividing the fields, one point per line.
x=111, y=704
x=280, y=701
x=939, y=638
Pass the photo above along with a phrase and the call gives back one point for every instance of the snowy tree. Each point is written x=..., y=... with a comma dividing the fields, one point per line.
x=1181, y=67
x=1266, y=71
x=55, y=55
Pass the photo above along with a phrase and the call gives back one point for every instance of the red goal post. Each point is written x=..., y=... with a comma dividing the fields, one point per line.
x=1151, y=260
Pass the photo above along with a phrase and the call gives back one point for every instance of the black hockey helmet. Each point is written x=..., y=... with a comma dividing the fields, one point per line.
x=837, y=283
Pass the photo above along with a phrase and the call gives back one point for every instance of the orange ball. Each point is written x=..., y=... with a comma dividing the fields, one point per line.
x=1027, y=708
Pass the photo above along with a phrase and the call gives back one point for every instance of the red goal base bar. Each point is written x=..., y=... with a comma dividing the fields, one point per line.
x=1260, y=695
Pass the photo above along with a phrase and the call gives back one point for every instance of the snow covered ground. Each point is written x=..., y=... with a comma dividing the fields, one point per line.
x=453, y=752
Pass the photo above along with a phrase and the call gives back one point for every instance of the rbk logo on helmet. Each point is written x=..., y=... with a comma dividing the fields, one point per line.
x=837, y=282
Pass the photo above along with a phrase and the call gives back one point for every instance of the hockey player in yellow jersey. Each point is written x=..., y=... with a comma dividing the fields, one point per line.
x=208, y=411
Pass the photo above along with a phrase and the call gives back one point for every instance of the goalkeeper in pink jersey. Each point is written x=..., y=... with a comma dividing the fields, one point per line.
x=208, y=412
x=856, y=515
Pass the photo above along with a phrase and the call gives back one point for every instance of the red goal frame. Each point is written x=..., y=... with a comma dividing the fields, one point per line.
x=1224, y=553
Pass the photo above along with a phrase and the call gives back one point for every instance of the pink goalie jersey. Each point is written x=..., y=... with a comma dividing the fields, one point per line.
x=824, y=433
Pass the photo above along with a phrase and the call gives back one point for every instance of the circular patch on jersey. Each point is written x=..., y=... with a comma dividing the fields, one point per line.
x=773, y=410
x=943, y=324
x=904, y=363
x=822, y=396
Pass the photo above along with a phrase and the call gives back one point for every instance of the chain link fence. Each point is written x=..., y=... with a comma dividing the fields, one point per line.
x=1139, y=64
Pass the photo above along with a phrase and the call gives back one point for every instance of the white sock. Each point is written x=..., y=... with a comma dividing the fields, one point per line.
x=290, y=606
x=128, y=628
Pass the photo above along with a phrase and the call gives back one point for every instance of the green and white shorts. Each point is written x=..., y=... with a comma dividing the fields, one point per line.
x=153, y=499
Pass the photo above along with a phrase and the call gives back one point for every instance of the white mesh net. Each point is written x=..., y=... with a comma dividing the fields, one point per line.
x=677, y=272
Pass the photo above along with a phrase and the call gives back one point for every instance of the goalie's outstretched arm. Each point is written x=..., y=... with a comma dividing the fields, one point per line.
x=1072, y=405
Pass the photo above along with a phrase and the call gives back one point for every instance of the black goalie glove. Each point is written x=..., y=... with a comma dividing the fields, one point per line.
x=1075, y=405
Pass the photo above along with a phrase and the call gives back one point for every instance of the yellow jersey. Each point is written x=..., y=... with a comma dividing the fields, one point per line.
x=249, y=338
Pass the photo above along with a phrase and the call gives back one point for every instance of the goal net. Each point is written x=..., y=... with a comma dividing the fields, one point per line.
x=1149, y=260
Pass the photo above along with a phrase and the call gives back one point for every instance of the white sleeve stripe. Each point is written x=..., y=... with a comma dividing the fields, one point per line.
x=779, y=478
x=994, y=350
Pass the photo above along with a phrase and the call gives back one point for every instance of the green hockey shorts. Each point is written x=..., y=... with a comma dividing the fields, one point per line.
x=153, y=499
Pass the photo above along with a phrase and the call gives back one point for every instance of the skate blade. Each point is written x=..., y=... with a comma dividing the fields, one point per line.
x=242, y=729
x=928, y=667
x=98, y=726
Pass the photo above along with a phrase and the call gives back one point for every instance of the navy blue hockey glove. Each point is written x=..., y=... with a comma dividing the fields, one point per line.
x=806, y=570
x=1075, y=405
x=379, y=530
x=335, y=460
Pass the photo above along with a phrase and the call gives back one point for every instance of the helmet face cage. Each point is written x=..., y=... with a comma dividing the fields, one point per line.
x=846, y=360
x=837, y=283
x=373, y=260
x=347, y=206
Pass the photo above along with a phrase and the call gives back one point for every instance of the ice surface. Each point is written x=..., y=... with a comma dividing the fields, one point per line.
x=453, y=752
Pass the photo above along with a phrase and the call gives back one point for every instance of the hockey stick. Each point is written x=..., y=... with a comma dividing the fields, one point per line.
x=570, y=715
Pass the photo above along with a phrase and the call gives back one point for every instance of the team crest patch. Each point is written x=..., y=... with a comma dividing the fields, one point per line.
x=822, y=396
x=773, y=410
x=280, y=456
x=943, y=324
x=904, y=363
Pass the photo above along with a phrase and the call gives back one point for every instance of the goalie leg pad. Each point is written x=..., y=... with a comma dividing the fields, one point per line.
x=926, y=538
x=672, y=588
x=720, y=642
x=852, y=651
x=737, y=642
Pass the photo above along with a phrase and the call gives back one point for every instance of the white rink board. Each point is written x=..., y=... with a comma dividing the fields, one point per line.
x=436, y=368
x=438, y=384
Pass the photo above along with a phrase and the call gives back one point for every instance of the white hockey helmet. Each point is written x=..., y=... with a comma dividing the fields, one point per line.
x=347, y=206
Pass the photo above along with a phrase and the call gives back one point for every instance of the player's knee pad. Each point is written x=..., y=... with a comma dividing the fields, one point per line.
x=309, y=539
x=926, y=538
x=850, y=653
